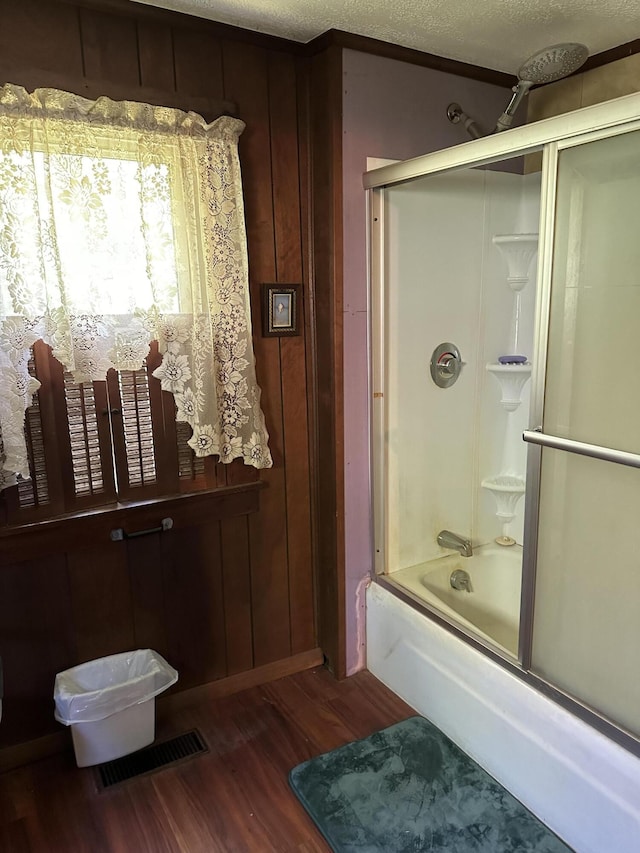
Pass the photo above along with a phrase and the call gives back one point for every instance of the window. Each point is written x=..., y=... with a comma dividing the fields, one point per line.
x=121, y=224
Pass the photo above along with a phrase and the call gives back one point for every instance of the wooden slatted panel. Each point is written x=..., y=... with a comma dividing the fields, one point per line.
x=194, y=602
x=37, y=634
x=325, y=98
x=109, y=47
x=198, y=63
x=283, y=111
x=246, y=83
x=145, y=458
x=99, y=585
x=137, y=426
x=34, y=492
x=190, y=466
x=48, y=31
x=82, y=418
x=155, y=55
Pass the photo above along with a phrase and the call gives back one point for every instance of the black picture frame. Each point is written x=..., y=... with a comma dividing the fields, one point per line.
x=280, y=310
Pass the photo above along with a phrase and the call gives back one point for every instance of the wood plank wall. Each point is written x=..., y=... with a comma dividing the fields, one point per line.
x=218, y=597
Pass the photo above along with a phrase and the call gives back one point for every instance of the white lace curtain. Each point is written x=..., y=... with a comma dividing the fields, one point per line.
x=123, y=223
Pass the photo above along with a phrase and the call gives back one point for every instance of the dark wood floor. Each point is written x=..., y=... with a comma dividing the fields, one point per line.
x=235, y=798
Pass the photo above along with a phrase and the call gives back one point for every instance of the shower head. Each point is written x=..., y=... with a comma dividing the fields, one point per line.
x=545, y=66
x=552, y=63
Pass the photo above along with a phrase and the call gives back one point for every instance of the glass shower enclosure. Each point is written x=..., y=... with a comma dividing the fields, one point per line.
x=505, y=406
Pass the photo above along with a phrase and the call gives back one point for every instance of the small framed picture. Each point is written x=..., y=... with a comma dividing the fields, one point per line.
x=280, y=309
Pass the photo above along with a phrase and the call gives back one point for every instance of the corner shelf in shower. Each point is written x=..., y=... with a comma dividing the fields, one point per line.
x=512, y=378
x=507, y=490
x=518, y=250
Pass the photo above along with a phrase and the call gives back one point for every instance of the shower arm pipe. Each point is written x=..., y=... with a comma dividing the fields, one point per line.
x=456, y=114
x=595, y=451
x=506, y=119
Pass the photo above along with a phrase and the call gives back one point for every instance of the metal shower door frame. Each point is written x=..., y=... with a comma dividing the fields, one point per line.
x=535, y=437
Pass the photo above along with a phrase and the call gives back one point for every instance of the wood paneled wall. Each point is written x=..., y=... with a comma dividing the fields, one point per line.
x=218, y=596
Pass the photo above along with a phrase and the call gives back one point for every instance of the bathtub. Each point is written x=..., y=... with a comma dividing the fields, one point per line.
x=491, y=610
x=577, y=781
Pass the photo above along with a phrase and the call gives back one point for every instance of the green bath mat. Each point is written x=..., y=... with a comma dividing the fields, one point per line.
x=407, y=789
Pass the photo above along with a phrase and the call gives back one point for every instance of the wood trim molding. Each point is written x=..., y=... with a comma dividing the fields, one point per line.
x=365, y=44
x=28, y=541
x=242, y=681
x=611, y=55
x=44, y=747
x=351, y=41
x=34, y=750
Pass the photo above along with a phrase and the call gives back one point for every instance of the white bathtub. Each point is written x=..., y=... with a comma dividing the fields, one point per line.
x=492, y=608
x=577, y=781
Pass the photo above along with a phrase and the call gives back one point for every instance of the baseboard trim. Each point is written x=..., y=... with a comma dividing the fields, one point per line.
x=241, y=681
x=34, y=750
x=44, y=747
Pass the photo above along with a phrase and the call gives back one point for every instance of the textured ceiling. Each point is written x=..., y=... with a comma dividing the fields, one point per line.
x=497, y=34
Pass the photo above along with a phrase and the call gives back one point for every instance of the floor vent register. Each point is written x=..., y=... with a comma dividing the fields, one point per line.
x=150, y=759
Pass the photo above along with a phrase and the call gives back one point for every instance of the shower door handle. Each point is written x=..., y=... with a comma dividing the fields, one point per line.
x=595, y=451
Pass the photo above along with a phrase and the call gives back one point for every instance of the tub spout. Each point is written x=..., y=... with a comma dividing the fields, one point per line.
x=447, y=539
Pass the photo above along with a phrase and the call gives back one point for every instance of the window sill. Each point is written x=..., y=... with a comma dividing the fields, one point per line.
x=93, y=526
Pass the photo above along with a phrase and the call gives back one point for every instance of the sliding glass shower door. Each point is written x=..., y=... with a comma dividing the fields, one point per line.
x=586, y=619
x=437, y=449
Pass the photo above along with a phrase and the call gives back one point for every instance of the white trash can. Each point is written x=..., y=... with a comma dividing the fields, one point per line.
x=110, y=703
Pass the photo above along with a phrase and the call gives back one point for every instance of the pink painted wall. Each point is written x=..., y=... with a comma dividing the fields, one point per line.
x=391, y=110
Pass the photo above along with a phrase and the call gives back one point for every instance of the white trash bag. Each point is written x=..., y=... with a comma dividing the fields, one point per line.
x=99, y=688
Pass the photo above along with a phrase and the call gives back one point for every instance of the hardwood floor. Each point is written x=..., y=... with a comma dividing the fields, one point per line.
x=234, y=798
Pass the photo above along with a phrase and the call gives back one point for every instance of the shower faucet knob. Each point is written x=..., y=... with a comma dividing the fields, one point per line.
x=446, y=364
